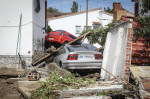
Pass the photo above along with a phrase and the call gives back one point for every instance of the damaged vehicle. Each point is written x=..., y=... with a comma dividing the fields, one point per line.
x=77, y=57
x=58, y=38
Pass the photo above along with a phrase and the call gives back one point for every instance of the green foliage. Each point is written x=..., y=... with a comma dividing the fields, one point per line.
x=52, y=10
x=74, y=8
x=145, y=6
x=49, y=29
x=143, y=28
x=108, y=10
x=99, y=33
x=56, y=82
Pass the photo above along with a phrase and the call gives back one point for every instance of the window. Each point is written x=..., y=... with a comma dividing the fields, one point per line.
x=96, y=26
x=88, y=27
x=61, y=51
x=78, y=29
x=72, y=36
x=77, y=48
x=37, y=5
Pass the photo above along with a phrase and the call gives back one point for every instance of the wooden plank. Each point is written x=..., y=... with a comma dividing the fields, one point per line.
x=48, y=55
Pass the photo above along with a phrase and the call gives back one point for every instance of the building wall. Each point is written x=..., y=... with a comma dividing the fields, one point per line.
x=68, y=23
x=116, y=47
x=38, y=24
x=105, y=18
x=10, y=16
x=31, y=31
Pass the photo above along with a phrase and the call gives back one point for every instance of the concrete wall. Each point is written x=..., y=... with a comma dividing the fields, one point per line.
x=68, y=23
x=38, y=24
x=31, y=30
x=10, y=15
x=114, y=57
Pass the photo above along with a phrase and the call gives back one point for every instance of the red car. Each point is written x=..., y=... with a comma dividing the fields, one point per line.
x=59, y=36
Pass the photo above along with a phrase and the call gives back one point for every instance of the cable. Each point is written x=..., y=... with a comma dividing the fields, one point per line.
x=23, y=25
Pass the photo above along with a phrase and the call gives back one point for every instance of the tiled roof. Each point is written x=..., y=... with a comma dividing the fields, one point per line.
x=73, y=14
x=106, y=12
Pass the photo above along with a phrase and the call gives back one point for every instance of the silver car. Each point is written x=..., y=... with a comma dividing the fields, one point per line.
x=78, y=57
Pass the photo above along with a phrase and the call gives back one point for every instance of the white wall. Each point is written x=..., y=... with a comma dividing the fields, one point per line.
x=68, y=23
x=10, y=11
x=31, y=29
x=105, y=18
x=38, y=24
x=115, y=51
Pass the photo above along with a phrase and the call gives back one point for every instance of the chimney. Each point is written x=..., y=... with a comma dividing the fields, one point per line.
x=116, y=6
x=117, y=12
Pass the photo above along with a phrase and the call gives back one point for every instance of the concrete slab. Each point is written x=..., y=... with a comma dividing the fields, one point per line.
x=90, y=97
x=25, y=87
x=140, y=71
x=12, y=80
x=11, y=72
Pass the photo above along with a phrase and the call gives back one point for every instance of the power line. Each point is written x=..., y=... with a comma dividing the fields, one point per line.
x=23, y=25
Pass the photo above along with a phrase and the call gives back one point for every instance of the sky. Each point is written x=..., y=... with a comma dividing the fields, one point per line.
x=65, y=5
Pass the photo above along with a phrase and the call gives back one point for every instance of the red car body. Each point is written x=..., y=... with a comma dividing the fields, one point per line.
x=59, y=36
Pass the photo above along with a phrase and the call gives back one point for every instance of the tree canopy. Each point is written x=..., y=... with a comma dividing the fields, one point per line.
x=50, y=9
x=74, y=8
x=108, y=9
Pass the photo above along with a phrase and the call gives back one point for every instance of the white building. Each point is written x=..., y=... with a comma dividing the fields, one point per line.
x=75, y=23
x=31, y=36
x=139, y=7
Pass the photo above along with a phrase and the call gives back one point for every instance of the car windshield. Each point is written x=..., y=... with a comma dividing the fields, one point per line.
x=55, y=34
x=90, y=47
x=77, y=48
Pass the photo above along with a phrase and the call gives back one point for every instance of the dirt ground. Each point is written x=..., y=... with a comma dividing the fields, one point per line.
x=8, y=91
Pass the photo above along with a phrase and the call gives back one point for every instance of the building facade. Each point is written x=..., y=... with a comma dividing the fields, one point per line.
x=75, y=23
x=21, y=30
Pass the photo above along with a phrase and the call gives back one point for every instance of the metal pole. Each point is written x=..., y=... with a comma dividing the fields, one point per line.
x=86, y=15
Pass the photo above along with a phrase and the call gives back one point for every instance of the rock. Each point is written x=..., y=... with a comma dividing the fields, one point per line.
x=54, y=67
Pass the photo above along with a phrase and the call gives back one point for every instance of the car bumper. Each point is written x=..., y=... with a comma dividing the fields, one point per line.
x=82, y=65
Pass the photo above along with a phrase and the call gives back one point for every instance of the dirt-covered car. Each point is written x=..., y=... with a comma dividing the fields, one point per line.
x=78, y=57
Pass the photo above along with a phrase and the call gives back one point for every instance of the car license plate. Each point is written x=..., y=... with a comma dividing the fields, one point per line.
x=51, y=38
x=86, y=56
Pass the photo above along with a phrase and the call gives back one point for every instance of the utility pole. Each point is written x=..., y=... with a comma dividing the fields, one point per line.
x=61, y=6
x=86, y=14
x=97, y=3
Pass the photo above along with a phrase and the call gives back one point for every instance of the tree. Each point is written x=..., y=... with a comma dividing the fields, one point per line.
x=142, y=30
x=74, y=8
x=51, y=10
x=145, y=6
x=108, y=10
x=99, y=33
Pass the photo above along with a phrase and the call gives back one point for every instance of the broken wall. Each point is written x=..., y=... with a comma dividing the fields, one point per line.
x=115, y=57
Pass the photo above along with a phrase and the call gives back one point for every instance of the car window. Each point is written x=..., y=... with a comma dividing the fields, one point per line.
x=55, y=34
x=90, y=47
x=73, y=37
x=77, y=48
x=61, y=51
x=60, y=31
